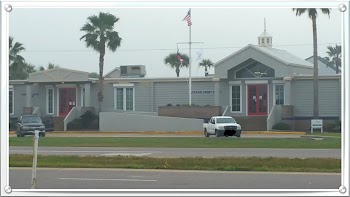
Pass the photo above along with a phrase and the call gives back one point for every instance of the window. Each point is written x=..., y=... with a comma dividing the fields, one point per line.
x=262, y=41
x=49, y=100
x=236, y=98
x=83, y=97
x=11, y=101
x=279, y=94
x=268, y=40
x=124, y=98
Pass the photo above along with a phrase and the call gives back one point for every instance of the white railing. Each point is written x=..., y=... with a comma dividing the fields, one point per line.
x=274, y=117
x=227, y=107
x=36, y=110
x=74, y=113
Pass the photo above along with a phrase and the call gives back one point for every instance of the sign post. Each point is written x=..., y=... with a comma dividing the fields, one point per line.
x=35, y=158
x=316, y=124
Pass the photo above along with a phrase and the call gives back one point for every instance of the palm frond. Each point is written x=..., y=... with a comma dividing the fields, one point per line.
x=108, y=20
x=95, y=22
x=206, y=63
x=113, y=40
x=299, y=11
x=326, y=11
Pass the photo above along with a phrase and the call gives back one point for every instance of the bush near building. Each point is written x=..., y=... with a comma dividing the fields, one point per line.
x=88, y=121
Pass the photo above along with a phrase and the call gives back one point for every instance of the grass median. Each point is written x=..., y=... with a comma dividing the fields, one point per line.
x=188, y=163
x=180, y=142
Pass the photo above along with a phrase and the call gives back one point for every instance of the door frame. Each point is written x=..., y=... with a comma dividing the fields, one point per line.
x=58, y=97
x=257, y=82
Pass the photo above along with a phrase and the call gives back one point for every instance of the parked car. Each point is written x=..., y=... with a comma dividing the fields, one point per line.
x=27, y=124
x=222, y=126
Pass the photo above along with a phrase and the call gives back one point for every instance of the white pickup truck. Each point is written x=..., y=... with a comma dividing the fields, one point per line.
x=222, y=126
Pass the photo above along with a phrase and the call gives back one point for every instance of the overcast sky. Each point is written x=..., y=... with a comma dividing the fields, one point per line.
x=150, y=34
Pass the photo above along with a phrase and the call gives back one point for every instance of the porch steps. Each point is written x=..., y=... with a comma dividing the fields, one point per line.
x=58, y=123
x=252, y=123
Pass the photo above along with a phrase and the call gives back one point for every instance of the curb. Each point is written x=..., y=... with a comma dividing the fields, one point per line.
x=172, y=132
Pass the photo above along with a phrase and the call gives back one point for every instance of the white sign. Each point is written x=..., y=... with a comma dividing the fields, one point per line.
x=316, y=124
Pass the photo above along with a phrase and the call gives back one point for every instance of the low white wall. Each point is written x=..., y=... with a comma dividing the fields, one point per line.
x=275, y=116
x=111, y=121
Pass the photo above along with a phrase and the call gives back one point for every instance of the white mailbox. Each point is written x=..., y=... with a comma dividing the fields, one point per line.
x=316, y=124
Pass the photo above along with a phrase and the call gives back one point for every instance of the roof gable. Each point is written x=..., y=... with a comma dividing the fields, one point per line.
x=277, y=54
x=58, y=75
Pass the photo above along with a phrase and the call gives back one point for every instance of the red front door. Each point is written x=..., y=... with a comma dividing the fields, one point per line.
x=257, y=100
x=67, y=100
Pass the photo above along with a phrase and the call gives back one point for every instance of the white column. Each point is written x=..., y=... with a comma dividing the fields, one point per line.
x=87, y=95
x=287, y=90
x=216, y=91
x=28, y=95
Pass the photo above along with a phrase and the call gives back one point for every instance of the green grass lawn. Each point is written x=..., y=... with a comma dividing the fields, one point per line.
x=194, y=163
x=180, y=142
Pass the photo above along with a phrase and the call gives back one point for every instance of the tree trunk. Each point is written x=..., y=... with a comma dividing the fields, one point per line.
x=314, y=31
x=101, y=63
x=177, y=71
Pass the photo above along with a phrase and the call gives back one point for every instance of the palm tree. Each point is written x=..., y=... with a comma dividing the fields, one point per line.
x=15, y=49
x=93, y=75
x=16, y=63
x=174, y=62
x=49, y=66
x=21, y=71
x=99, y=35
x=312, y=12
x=335, y=54
x=206, y=63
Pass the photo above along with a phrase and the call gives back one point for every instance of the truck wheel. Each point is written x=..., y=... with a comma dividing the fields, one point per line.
x=217, y=134
x=206, y=134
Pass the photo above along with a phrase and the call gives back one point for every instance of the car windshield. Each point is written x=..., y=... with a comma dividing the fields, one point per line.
x=31, y=119
x=225, y=120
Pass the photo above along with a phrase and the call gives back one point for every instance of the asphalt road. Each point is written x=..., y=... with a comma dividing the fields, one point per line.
x=113, y=134
x=182, y=152
x=20, y=178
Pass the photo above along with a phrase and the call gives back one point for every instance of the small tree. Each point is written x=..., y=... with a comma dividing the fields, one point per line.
x=335, y=54
x=173, y=61
x=206, y=63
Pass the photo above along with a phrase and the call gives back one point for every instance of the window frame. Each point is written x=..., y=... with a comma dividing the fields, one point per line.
x=11, y=89
x=124, y=87
x=82, y=97
x=240, y=98
x=275, y=91
x=47, y=100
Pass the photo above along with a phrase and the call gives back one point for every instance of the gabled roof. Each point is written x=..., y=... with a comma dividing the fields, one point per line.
x=58, y=75
x=280, y=55
x=116, y=68
x=324, y=62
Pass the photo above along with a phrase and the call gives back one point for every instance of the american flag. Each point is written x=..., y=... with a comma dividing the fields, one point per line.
x=188, y=18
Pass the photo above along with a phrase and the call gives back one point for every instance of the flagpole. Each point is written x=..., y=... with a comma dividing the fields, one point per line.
x=189, y=65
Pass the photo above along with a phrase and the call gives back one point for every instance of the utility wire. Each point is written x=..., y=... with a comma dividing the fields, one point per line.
x=163, y=49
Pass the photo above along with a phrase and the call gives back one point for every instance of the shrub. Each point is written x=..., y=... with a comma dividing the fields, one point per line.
x=281, y=126
x=169, y=104
x=334, y=126
x=87, y=118
x=74, y=125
